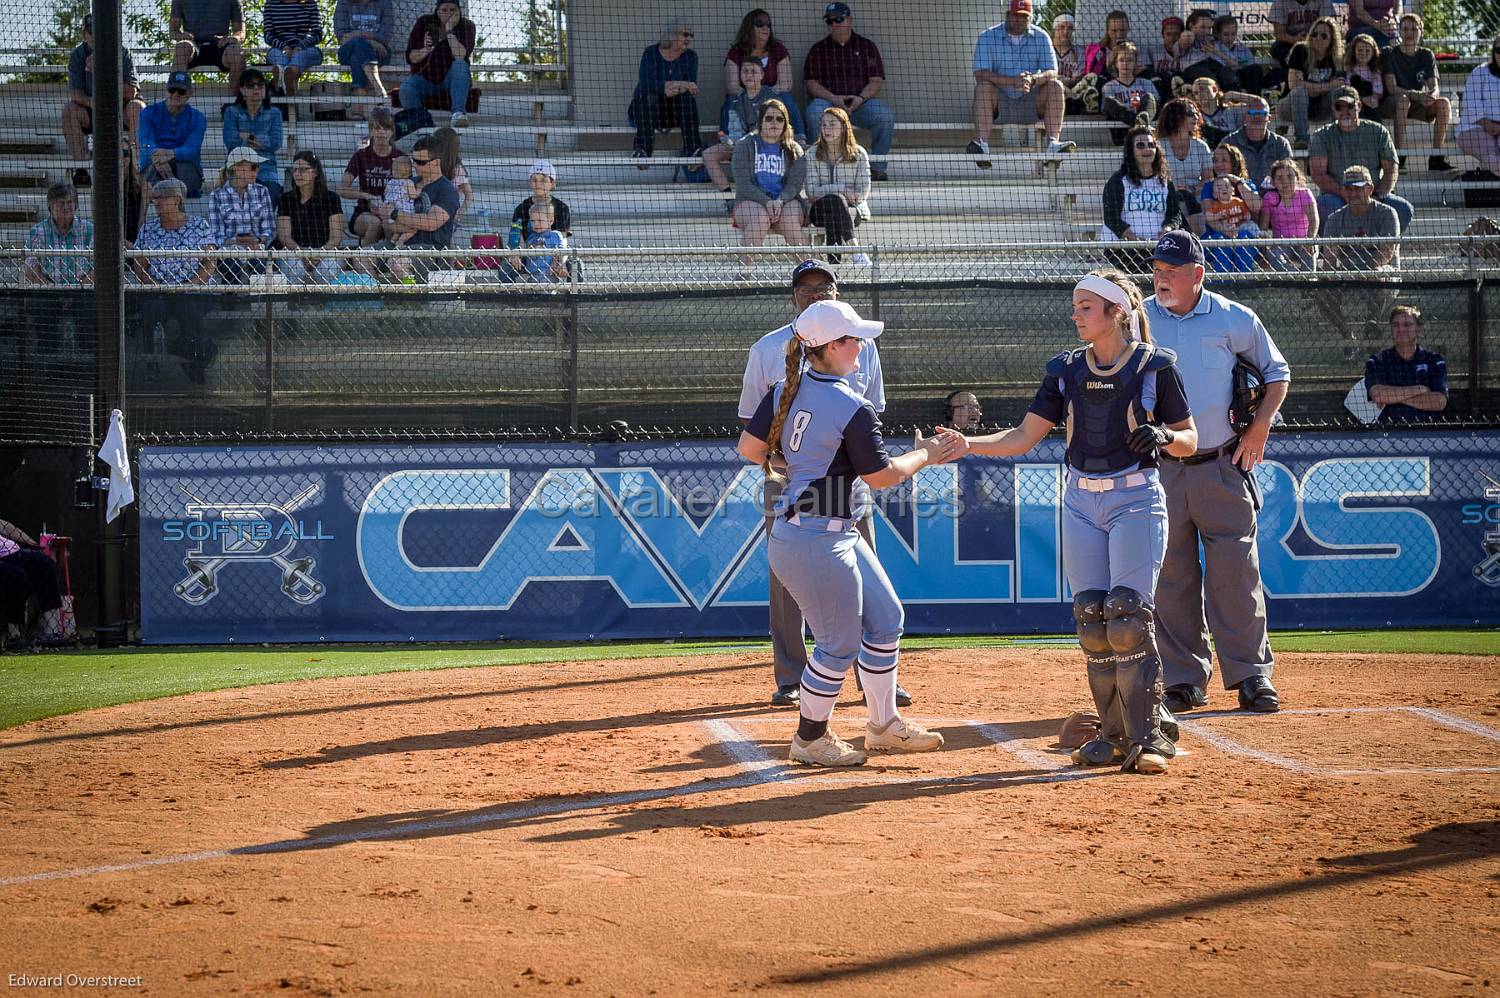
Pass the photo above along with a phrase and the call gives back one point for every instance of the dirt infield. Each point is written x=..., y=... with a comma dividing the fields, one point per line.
x=629, y=828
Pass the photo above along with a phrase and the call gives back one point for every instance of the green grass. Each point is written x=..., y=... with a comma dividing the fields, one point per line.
x=38, y=686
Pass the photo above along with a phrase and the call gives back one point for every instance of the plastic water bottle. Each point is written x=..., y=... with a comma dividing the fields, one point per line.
x=70, y=336
x=486, y=219
x=159, y=339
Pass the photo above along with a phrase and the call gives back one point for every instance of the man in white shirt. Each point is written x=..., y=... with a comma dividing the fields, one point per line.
x=812, y=281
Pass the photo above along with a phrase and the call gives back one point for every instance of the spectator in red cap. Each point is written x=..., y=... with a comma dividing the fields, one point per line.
x=1161, y=61
x=1015, y=82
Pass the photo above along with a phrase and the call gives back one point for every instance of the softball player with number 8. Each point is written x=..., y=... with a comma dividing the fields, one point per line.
x=829, y=437
x=1113, y=394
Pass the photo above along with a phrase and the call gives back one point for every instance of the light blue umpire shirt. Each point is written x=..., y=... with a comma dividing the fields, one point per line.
x=1207, y=340
x=997, y=52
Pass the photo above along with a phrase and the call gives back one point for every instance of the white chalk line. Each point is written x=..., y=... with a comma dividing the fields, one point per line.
x=758, y=768
x=750, y=755
x=1439, y=717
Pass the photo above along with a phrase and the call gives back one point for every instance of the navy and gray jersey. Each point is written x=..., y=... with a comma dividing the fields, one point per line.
x=831, y=437
x=1101, y=406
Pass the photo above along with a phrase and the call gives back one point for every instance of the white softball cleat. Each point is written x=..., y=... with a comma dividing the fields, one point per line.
x=827, y=750
x=901, y=735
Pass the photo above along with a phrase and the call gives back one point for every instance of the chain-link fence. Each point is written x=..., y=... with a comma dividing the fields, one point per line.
x=661, y=343
x=468, y=219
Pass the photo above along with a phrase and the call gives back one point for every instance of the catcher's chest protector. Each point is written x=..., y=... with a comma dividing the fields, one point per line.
x=1107, y=404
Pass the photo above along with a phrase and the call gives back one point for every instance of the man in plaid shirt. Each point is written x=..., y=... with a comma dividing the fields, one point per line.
x=61, y=229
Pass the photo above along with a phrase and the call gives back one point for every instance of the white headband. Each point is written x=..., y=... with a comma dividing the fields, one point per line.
x=1112, y=292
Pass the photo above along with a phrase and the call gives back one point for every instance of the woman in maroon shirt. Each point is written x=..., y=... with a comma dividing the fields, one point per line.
x=756, y=40
x=438, y=52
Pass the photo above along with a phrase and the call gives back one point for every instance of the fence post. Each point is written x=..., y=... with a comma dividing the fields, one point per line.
x=875, y=282
x=111, y=627
x=1476, y=343
x=572, y=324
x=269, y=331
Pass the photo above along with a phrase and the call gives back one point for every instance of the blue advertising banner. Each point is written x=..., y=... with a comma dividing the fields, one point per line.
x=577, y=542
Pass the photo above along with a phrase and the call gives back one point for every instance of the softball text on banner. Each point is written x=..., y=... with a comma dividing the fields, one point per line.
x=488, y=541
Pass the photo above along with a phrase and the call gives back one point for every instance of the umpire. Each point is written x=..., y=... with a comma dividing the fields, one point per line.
x=1212, y=497
x=812, y=281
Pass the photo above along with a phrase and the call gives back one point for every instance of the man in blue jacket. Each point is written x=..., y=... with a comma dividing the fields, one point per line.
x=172, y=137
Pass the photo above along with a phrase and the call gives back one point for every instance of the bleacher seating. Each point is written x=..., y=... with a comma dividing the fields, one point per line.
x=936, y=194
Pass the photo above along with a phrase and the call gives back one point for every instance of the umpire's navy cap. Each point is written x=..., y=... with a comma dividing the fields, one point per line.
x=809, y=266
x=1178, y=247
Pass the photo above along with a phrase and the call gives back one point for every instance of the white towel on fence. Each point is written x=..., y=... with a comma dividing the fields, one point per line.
x=113, y=453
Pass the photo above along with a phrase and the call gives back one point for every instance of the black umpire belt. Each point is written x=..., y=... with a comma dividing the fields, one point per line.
x=1203, y=457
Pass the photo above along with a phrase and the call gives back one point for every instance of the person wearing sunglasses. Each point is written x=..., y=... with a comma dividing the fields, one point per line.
x=666, y=93
x=1315, y=68
x=1140, y=200
x=1290, y=22
x=1258, y=143
x=845, y=70
x=756, y=41
x=770, y=171
x=1479, y=118
x=171, y=133
x=433, y=223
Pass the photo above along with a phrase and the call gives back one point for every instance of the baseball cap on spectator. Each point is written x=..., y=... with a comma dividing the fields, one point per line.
x=243, y=154
x=1063, y=19
x=825, y=321
x=1020, y=7
x=545, y=168
x=812, y=266
x=180, y=79
x=1345, y=95
x=1168, y=21
x=1178, y=247
x=837, y=10
x=1357, y=176
x=171, y=187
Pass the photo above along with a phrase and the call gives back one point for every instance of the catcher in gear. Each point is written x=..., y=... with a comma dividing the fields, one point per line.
x=1122, y=402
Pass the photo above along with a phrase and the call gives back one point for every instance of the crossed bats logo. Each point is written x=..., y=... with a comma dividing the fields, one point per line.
x=242, y=540
x=1488, y=570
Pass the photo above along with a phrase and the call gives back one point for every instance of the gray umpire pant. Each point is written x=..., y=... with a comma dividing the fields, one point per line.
x=788, y=626
x=1211, y=503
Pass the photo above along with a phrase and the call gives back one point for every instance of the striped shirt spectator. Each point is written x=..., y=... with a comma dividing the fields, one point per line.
x=292, y=24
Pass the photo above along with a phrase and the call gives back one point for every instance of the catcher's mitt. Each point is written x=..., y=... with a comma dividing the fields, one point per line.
x=1077, y=729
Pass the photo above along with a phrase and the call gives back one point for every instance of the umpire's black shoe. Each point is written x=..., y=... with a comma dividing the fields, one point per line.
x=1257, y=694
x=1182, y=697
x=786, y=696
x=903, y=698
